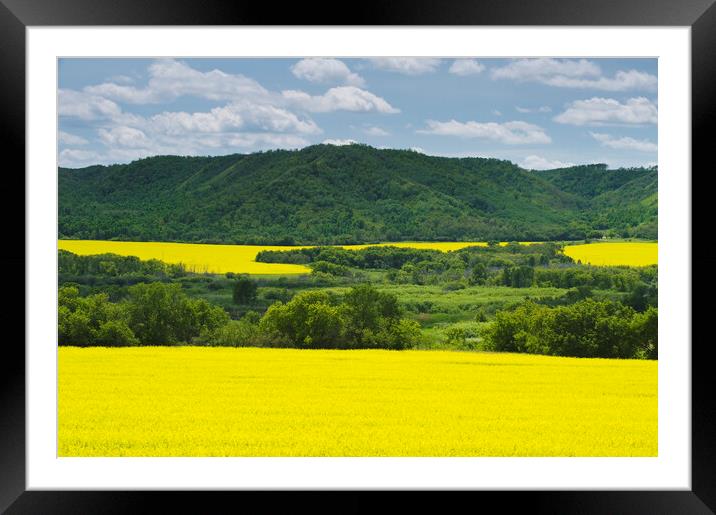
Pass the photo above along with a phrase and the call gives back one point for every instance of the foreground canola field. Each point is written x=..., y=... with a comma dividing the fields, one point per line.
x=192, y=401
x=614, y=254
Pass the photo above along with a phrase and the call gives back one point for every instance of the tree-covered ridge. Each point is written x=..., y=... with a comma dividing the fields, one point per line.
x=326, y=194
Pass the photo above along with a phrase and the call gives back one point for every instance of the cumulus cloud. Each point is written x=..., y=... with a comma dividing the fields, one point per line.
x=510, y=133
x=605, y=111
x=569, y=73
x=262, y=140
x=323, y=70
x=170, y=79
x=626, y=143
x=375, y=131
x=84, y=106
x=622, y=81
x=465, y=67
x=533, y=162
x=124, y=137
x=543, y=69
x=237, y=125
x=232, y=117
x=190, y=144
x=339, y=142
x=70, y=139
x=249, y=116
x=73, y=158
x=121, y=79
x=342, y=98
x=540, y=109
x=406, y=65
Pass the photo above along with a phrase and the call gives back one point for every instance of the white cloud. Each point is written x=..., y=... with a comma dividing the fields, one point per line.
x=604, y=111
x=339, y=142
x=419, y=150
x=465, y=67
x=406, y=65
x=124, y=137
x=533, y=162
x=251, y=118
x=622, y=81
x=85, y=106
x=75, y=158
x=625, y=143
x=462, y=155
x=540, y=109
x=186, y=145
x=511, y=133
x=70, y=139
x=543, y=69
x=343, y=98
x=170, y=79
x=376, y=131
x=244, y=125
x=232, y=117
x=496, y=112
x=567, y=73
x=264, y=140
x=121, y=79
x=322, y=70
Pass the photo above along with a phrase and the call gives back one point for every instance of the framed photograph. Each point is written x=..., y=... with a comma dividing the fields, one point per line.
x=415, y=250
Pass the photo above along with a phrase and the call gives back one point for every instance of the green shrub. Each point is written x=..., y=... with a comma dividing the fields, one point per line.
x=245, y=290
x=587, y=328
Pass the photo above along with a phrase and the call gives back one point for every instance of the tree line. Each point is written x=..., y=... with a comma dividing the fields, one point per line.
x=513, y=265
x=587, y=328
x=161, y=314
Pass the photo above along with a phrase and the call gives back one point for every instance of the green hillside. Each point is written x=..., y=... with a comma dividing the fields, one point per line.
x=350, y=194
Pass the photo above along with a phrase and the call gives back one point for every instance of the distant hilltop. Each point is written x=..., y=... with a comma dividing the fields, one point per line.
x=325, y=194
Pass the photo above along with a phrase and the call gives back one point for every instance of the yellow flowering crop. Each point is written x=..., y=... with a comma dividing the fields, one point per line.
x=219, y=259
x=197, y=257
x=444, y=246
x=192, y=401
x=614, y=253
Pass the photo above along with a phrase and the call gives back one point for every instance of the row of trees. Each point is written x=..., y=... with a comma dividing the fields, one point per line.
x=475, y=265
x=161, y=314
x=152, y=314
x=112, y=269
x=514, y=265
x=363, y=318
x=392, y=257
x=587, y=328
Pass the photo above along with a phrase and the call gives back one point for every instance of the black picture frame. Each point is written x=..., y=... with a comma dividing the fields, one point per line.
x=16, y=15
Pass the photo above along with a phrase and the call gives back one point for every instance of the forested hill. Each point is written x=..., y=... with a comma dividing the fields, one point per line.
x=329, y=194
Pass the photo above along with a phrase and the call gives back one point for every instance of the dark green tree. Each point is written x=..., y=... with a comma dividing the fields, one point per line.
x=245, y=290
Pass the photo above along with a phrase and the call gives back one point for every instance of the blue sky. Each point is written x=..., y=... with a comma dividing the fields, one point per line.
x=538, y=113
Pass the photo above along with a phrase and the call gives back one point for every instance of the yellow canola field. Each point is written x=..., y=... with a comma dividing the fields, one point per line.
x=444, y=246
x=614, y=253
x=219, y=259
x=197, y=257
x=192, y=401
